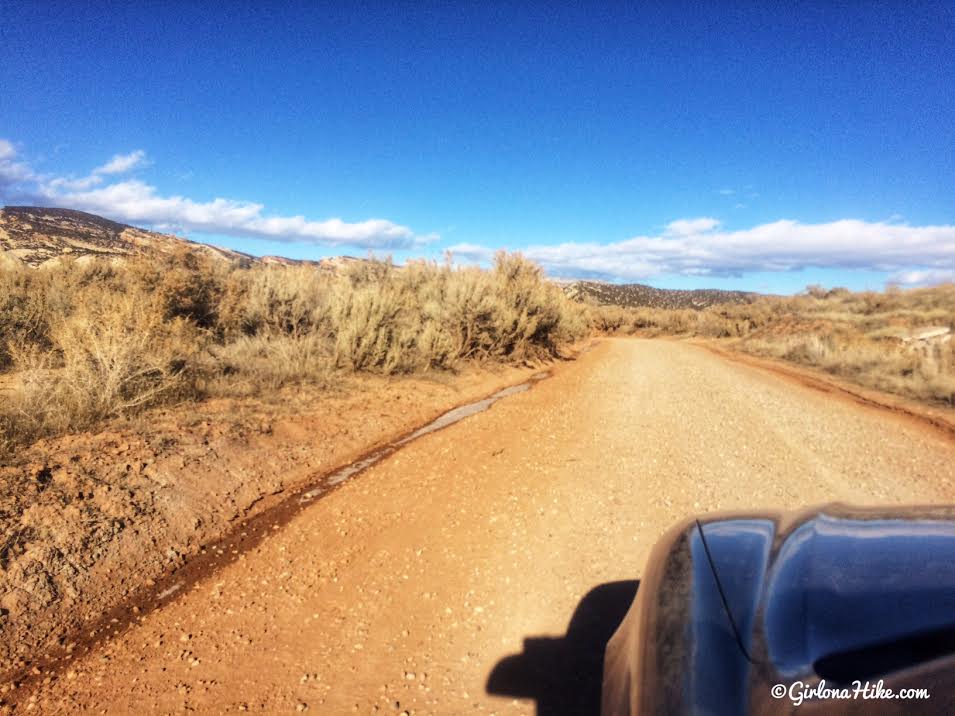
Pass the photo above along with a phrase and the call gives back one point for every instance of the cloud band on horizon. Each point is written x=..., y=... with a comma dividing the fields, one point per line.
x=685, y=247
x=135, y=201
x=698, y=247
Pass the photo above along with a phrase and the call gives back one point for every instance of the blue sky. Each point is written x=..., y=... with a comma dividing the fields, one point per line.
x=682, y=145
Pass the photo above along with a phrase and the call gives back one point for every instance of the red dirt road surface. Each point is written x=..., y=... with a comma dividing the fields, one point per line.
x=444, y=579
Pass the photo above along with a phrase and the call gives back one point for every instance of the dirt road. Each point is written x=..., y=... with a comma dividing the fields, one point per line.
x=414, y=587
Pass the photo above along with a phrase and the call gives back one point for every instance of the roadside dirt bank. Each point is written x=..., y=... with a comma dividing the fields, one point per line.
x=89, y=522
x=480, y=569
x=940, y=417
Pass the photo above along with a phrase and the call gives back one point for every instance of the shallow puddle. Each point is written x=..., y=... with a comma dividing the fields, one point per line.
x=226, y=550
x=449, y=418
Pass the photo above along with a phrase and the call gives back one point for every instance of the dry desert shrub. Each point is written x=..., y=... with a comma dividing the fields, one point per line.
x=120, y=352
x=373, y=320
x=251, y=365
x=865, y=337
x=30, y=301
x=926, y=372
x=83, y=342
x=431, y=316
x=112, y=355
x=273, y=300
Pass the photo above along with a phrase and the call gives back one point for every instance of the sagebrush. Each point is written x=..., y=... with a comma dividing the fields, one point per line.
x=84, y=342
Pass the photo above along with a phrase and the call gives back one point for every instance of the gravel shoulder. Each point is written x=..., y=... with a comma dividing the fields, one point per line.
x=444, y=579
x=89, y=522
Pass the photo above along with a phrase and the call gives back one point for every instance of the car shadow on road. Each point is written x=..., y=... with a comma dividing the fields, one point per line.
x=563, y=674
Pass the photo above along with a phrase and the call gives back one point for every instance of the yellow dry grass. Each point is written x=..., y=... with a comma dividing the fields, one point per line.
x=869, y=337
x=97, y=341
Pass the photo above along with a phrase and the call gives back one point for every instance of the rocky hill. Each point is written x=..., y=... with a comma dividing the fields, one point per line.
x=38, y=235
x=638, y=294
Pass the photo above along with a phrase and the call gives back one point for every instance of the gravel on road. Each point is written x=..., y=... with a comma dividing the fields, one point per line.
x=444, y=579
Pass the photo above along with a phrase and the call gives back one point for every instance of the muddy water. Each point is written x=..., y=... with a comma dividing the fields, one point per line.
x=449, y=418
x=229, y=548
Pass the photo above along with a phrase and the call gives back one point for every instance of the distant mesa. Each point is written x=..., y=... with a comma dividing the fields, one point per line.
x=40, y=236
x=635, y=295
x=37, y=236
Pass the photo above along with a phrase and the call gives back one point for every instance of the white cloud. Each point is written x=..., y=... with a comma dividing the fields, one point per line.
x=694, y=247
x=931, y=277
x=727, y=192
x=68, y=184
x=122, y=163
x=11, y=171
x=688, y=227
x=137, y=202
